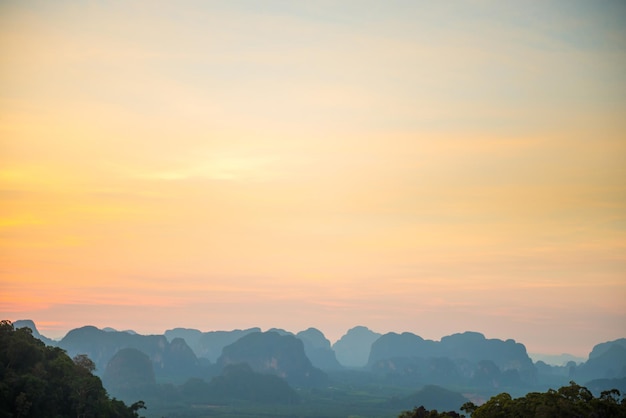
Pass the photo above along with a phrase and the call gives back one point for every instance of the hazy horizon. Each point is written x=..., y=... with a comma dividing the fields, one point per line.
x=58, y=334
x=407, y=166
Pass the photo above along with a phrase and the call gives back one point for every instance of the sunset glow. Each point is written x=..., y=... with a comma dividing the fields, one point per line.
x=401, y=165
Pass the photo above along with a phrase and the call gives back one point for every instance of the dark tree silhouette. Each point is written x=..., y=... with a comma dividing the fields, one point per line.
x=42, y=381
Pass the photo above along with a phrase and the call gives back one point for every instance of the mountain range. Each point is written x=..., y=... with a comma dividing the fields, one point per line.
x=131, y=363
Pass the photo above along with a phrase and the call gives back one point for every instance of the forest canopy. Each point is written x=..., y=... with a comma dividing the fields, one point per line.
x=573, y=401
x=43, y=381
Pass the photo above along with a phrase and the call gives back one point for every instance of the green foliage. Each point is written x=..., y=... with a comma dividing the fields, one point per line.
x=42, y=381
x=85, y=362
x=571, y=401
x=421, y=412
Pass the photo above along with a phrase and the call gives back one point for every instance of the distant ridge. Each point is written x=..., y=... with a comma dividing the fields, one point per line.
x=556, y=359
x=27, y=323
x=272, y=353
x=353, y=349
x=128, y=331
x=208, y=344
x=466, y=357
x=405, y=359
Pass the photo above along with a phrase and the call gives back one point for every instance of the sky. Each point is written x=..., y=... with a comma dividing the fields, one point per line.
x=430, y=167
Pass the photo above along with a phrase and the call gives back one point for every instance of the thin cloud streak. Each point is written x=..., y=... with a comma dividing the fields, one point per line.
x=422, y=167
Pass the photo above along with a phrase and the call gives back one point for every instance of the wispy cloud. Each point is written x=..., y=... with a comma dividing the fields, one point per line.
x=233, y=168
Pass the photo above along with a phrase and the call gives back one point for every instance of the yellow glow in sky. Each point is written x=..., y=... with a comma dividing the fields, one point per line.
x=405, y=166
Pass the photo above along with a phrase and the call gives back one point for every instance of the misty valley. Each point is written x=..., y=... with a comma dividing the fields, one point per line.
x=276, y=373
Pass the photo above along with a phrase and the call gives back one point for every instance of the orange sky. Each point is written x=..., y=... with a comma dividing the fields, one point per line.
x=409, y=167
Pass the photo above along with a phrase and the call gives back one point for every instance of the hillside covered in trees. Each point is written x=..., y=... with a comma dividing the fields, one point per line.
x=572, y=401
x=43, y=381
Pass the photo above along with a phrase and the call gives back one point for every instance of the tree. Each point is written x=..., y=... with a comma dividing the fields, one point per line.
x=83, y=360
x=469, y=408
x=42, y=381
x=421, y=412
x=572, y=401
